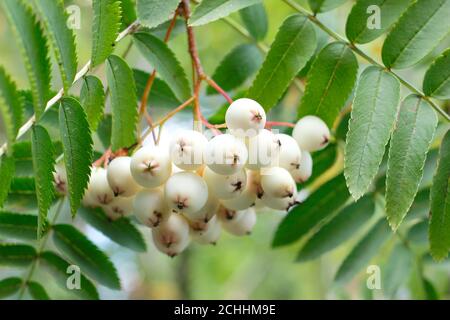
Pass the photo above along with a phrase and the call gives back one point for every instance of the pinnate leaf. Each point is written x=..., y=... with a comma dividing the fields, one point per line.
x=10, y=106
x=19, y=255
x=9, y=286
x=92, y=98
x=162, y=58
x=437, y=79
x=440, y=204
x=105, y=28
x=419, y=30
x=6, y=174
x=397, y=270
x=77, y=144
x=361, y=254
x=120, y=231
x=30, y=38
x=409, y=146
x=18, y=226
x=37, y=291
x=123, y=103
x=339, y=229
x=255, y=20
x=81, y=251
x=324, y=5
x=330, y=82
x=236, y=67
x=293, y=46
x=152, y=13
x=212, y=10
x=60, y=37
x=317, y=208
x=373, y=116
x=58, y=267
x=43, y=166
x=357, y=23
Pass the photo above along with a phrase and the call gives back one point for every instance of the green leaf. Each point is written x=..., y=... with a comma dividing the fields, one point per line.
x=212, y=10
x=164, y=61
x=60, y=37
x=19, y=255
x=104, y=131
x=363, y=252
x=161, y=30
x=255, y=20
x=9, y=286
x=219, y=116
x=105, y=28
x=236, y=67
x=160, y=96
x=43, y=166
x=123, y=103
x=58, y=267
x=419, y=30
x=6, y=175
x=293, y=46
x=152, y=13
x=322, y=161
x=437, y=79
x=77, y=143
x=92, y=98
x=33, y=46
x=324, y=5
x=397, y=270
x=330, y=82
x=420, y=207
x=372, y=119
x=18, y=226
x=11, y=108
x=357, y=23
x=410, y=142
x=86, y=255
x=37, y=291
x=120, y=230
x=128, y=12
x=317, y=208
x=430, y=290
x=338, y=230
x=440, y=204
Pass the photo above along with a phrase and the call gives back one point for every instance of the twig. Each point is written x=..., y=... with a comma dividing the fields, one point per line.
x=369, y=59
x=84, y=70
x=213, y=84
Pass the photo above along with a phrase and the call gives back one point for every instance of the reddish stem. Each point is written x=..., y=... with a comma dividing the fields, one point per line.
x=214, y=84
x=279, y=124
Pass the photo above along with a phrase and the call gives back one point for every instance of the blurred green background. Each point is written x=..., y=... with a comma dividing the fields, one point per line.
x=236, y=268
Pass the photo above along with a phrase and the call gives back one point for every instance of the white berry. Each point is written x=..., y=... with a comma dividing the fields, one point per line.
x=186, y=191
x=278, y=182
x=150, y=207
x=244, y=117
x=119, y=207
x=225, y=187
x=226, y=154
x=120, y=179
x=289, y=153
x=303, y=173
x=151, y=166
x=243, y=225
x=206, y=212
x=172, y=235
x=100, y=190
x=248, y=197
x=263, y=150
x=283, y=204
x=187, y=149
x=209, y=234
x=311, y=133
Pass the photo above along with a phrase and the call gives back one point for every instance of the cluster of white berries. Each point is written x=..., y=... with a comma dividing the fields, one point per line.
x=194, y=188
